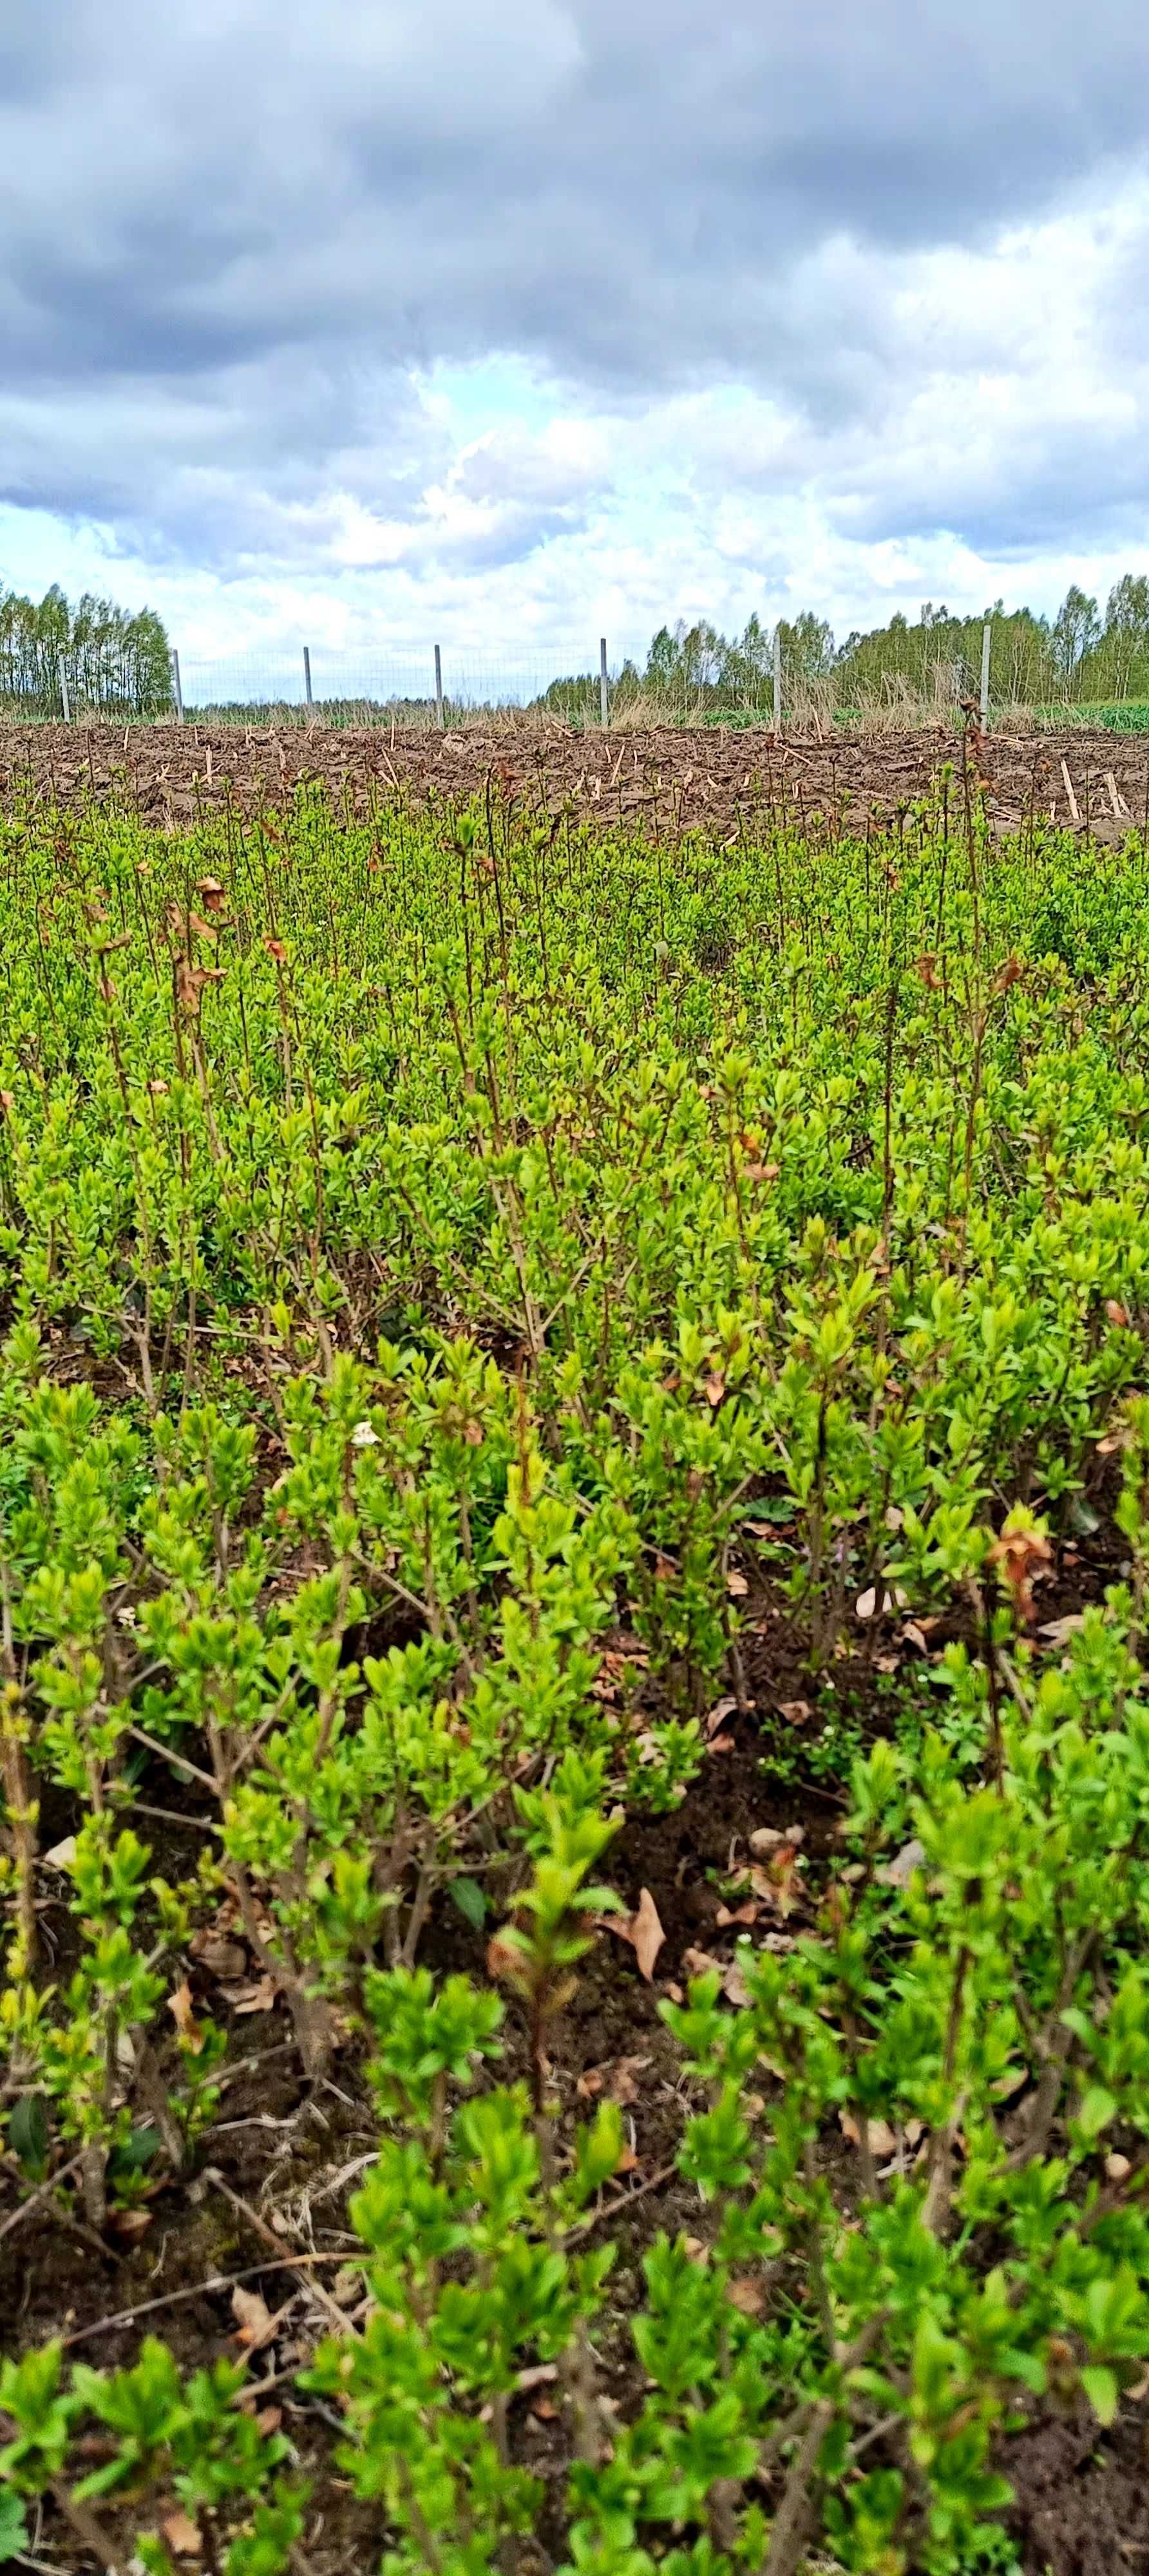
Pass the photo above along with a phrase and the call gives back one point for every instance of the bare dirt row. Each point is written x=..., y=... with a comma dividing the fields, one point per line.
x=663, y=781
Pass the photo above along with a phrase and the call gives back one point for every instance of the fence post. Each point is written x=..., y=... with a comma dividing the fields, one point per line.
x=603, y=691
x=986, y=634
x=179, y=695
x=65, y=700
x=307, y=673
x=778, y=679
x=441, y=718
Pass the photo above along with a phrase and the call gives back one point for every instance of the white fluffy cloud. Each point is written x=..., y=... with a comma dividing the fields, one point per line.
x=402, y=319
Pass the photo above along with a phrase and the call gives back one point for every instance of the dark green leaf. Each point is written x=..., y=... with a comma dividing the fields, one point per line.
x=137, y=2151
x=28, y=2134
x=469, y=1898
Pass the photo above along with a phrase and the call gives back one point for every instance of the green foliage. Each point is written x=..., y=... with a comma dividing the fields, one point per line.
x=113, y=664
x=463, y=1280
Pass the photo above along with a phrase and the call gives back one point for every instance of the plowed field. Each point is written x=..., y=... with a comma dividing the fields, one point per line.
x=667, y=781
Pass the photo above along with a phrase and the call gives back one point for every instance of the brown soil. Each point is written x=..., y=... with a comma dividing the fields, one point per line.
x=665, y=781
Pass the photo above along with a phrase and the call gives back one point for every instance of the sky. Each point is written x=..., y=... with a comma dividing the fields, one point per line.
x=401, y=321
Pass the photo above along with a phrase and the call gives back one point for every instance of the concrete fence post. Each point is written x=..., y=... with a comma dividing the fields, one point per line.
x=603, y=686
x=65, y=700
x=439, y=711
x=307, y=674
x=177, y=690
x=778, y=679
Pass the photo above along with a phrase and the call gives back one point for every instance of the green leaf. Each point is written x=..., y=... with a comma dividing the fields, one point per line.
x=13, y=2529
x=138, y=2150
x=470, y=1899
x=1101, y=2389
x=1095, y=2110
x=28, y=2134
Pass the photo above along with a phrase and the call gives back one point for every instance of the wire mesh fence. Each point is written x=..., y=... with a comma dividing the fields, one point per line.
x=434, y=685
x=91, y=678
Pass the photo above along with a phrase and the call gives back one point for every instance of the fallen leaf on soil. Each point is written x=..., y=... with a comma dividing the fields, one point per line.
x=643, y=1931
x=62, y=1854
x=221, y=1957
x=717, y=1716
x=182, y=2535
x=736, y=1584
x=795, y=1711
x=715, y=1390
x=1058, y=1631
x=622, y=2087
x=893, y=1598
x=721, y=1744
x=269, y=2420
x=734, y=1986
x=1116, y=1311
x=255, y=2325
x=747, y=1913
x=881, y=2136
x=591, y=2083
x=1118, y=2168
x=180, y=2008
x=130, y=2224
x=766, y=1838
x=699, y=1963
x=747, y=2296
x=257, y=1996
x=899, y=1871
x=543, y=2409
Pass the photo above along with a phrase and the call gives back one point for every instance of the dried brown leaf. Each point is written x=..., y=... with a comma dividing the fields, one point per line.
x=1059, y=1631
x=182, y=2013
x=255, y=2324
x=182, y=2534
x=881, y=2136
x=644, y=1932
x=256, y=1996
x=221, y=1957
x=747, y=2295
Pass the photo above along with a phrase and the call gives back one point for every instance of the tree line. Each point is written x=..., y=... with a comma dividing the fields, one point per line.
x=91, y=658
x=1076, y=657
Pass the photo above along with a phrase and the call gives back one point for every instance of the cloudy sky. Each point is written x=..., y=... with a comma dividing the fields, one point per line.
x=510, y=324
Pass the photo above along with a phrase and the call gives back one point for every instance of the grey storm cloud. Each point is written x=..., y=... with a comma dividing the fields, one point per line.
x=229, y=233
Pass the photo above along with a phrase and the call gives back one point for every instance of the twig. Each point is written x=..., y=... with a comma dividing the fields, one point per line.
x=244, y=2210
x=178, y=1761
x=168, y=1816
x=199, y=2290
x=42, y=2192
x=621, y=2200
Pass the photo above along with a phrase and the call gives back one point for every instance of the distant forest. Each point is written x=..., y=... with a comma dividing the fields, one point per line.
x=1076, y=657
x=94, y=658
